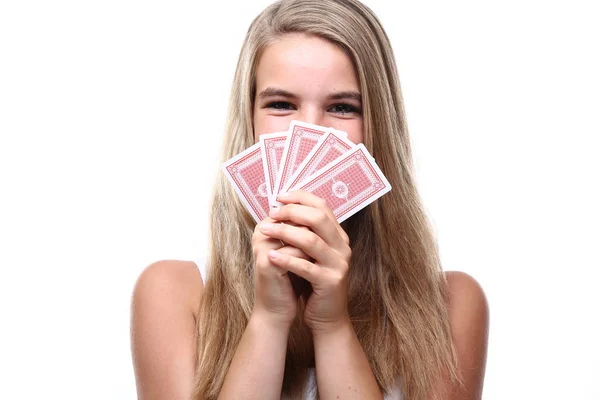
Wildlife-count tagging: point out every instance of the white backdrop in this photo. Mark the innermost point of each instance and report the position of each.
(111, 119)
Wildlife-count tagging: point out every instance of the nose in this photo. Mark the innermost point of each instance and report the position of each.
(312, 115)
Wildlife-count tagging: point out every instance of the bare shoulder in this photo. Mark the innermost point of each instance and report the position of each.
(164, 304)
(469, 322)
(468, 302)
(171, 280)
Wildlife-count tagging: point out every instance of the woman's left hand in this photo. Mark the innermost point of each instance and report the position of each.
(327, 243)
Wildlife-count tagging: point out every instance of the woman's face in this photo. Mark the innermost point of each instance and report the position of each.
(306, 78)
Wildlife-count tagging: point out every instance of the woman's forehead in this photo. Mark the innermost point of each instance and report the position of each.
(299, 63)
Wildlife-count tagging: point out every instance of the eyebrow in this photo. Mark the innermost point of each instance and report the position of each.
(273, 92)
(345, 95)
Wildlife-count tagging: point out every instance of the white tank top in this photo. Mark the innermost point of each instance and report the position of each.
(395, 394)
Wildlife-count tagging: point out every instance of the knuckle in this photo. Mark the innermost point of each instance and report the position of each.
(306, 266)
(255, 238)
(344, 266)
(322, 217)
(338, 279)
(313, 240)
(345, 237)
(346, 255)
(347, 260)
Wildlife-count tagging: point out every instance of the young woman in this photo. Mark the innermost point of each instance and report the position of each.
(368, 312)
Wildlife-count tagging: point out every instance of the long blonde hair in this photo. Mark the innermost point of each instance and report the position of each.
(397, 294)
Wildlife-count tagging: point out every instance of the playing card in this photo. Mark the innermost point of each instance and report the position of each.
(349, 183)
(331, 145)
(245, 171)
(302, 137)
(272, 145)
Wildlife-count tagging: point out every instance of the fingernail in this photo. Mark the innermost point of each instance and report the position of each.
(274, 211)
(283, 195)
(274, 254)
(266, 227)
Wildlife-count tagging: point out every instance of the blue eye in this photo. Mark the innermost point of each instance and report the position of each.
(344, 108)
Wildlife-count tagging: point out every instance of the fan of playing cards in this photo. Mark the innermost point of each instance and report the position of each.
(307, 157)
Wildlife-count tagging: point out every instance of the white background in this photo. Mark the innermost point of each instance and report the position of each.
(111, 120)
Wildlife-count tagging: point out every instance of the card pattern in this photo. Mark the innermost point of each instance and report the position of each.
(348, 184)
(327, 149)
(248, 177)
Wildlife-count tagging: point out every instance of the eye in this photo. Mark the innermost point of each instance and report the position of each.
(280, 105)
(344, 108)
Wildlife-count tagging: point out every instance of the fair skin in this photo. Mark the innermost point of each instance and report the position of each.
(308, 79)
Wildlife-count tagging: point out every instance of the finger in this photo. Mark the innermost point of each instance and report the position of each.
(267, 220)
(315, 218)
(305, 240)
(276, 244)
(298, 266)
(290, 223)
(294, 252)
(305, 198)
(311, 200)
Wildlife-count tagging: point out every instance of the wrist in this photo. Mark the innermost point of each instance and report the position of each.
(265, 320)
(332, 329)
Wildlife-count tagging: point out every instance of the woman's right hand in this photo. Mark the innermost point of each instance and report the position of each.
(275, 298)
